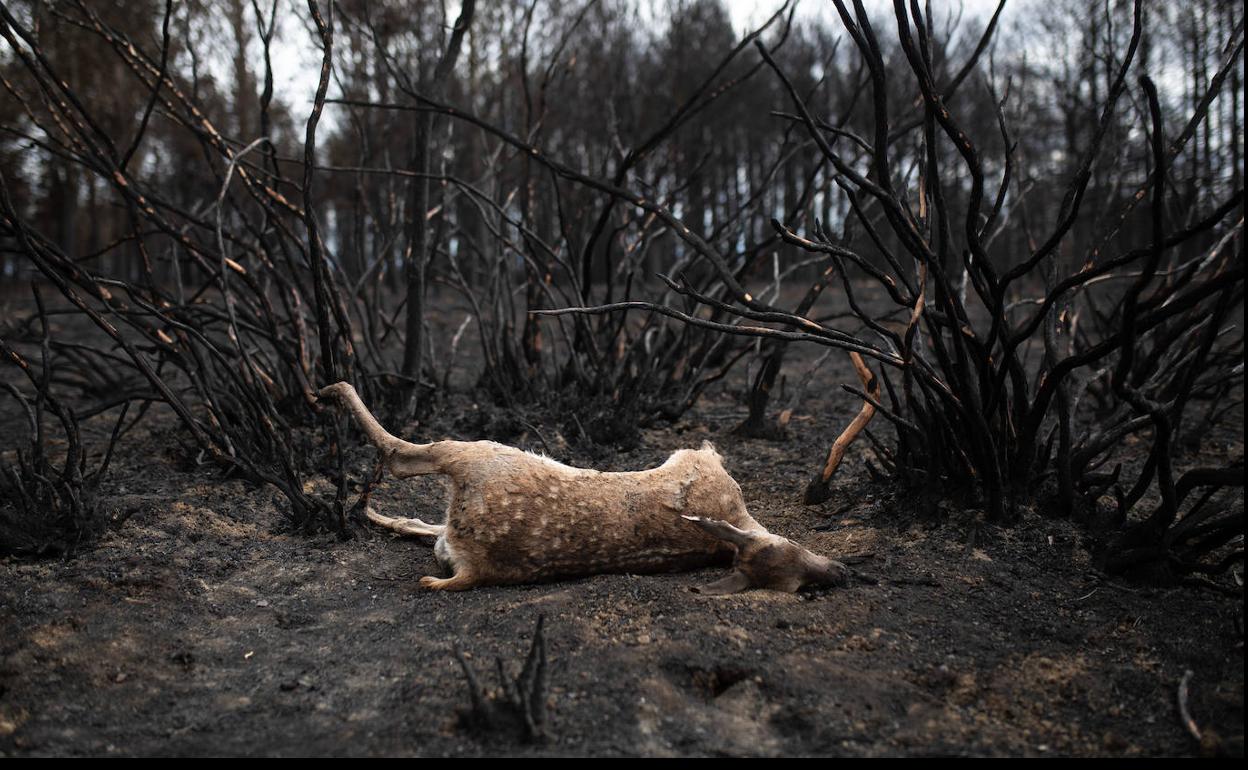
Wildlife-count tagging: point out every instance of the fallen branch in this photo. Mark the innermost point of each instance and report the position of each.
(1184, 715)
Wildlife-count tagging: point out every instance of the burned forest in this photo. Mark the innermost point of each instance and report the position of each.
(621, 378)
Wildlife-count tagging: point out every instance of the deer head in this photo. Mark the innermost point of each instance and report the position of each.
(765, 560)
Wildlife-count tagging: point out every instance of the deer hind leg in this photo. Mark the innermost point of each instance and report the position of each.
(460, 581)
(402, 458)
(457, 563)
(410, 527)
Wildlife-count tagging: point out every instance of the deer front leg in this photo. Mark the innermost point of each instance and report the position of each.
(735, 582)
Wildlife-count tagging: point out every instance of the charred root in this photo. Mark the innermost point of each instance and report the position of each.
(517, 710)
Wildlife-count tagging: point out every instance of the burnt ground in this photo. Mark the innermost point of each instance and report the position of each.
(199, 625)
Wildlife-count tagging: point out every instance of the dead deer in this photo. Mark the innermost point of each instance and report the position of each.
(517, 517)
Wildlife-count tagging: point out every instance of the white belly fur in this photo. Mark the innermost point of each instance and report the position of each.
(444, 554)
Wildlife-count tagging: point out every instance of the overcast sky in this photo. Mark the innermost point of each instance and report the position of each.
(296, 62)
(748, 13)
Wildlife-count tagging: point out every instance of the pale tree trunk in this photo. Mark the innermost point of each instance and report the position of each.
(417, 255)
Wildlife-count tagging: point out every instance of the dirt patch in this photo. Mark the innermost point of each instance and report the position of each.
(198, 627)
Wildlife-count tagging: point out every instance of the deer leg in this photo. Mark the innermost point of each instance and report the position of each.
(402, 458)
(460, 581)
(411, 527)
(736, 581)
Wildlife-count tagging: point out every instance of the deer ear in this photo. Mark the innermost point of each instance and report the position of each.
(736, 581)
(722, 530)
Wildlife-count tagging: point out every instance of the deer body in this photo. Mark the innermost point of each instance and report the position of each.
(516, 517)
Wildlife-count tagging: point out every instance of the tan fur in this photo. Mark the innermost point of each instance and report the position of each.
(516, 517)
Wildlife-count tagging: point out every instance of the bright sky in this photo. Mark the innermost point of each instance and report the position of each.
(749, 13)
(296, 62)
(298, 67)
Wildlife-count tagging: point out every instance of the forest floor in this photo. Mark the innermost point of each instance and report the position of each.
(200, 625)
